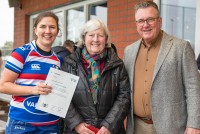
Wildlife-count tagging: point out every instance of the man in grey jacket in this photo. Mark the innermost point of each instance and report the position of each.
(163, 75)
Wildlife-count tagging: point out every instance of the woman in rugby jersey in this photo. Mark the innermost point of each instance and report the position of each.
(24, 76)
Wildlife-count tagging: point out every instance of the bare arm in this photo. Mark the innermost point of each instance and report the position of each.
(8, 86)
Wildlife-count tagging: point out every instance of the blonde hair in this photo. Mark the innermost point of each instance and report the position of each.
(93, 25)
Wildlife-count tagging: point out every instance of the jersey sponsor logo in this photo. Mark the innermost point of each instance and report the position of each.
(20, 127)
(26, 47)
(35, 67)
(22, 48)
(30, 104)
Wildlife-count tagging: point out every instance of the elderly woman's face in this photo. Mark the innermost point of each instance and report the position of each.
(95, 41)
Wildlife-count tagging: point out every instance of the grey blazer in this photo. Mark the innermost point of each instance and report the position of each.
(175, 79)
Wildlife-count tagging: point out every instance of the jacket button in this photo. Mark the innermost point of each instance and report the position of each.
(96, 119)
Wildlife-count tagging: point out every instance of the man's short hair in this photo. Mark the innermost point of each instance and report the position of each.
(68, 43)
(146, 4)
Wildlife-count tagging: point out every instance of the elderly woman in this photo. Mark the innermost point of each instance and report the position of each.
(102, 96)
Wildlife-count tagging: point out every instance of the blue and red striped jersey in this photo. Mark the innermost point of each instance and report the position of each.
(32, 67)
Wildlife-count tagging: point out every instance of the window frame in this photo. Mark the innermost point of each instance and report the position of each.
(197, 31)
(63, 9)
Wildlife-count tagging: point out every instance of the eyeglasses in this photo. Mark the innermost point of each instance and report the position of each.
(150, 21)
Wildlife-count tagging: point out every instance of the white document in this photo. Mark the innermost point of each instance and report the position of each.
(63, 86)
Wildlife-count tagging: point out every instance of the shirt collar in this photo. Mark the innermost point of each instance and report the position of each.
(154, 41)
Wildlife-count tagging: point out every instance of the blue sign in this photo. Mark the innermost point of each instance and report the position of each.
(30, 103)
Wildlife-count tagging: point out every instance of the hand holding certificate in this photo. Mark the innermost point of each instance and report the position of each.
(63, 86)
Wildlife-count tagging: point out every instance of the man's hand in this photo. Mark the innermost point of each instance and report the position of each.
(190, 130)
(82, 129)
(104, 130)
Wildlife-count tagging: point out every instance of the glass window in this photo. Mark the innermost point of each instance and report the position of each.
(179, 19)
(98, 12)
(73, 17)
(74, 23)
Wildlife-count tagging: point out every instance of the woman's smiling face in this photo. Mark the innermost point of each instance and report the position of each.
(46, 32)
(95, 41)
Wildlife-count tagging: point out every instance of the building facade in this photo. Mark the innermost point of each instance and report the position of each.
(118, 15)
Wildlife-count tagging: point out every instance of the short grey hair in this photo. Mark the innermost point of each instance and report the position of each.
(146, 4)
(93, 25)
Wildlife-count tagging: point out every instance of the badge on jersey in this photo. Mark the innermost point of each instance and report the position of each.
(55, 66)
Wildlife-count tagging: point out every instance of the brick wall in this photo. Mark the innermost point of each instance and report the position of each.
(121, 17)
(121, 23)
(21, 17)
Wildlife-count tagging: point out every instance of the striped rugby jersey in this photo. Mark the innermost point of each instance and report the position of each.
(32, 67)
